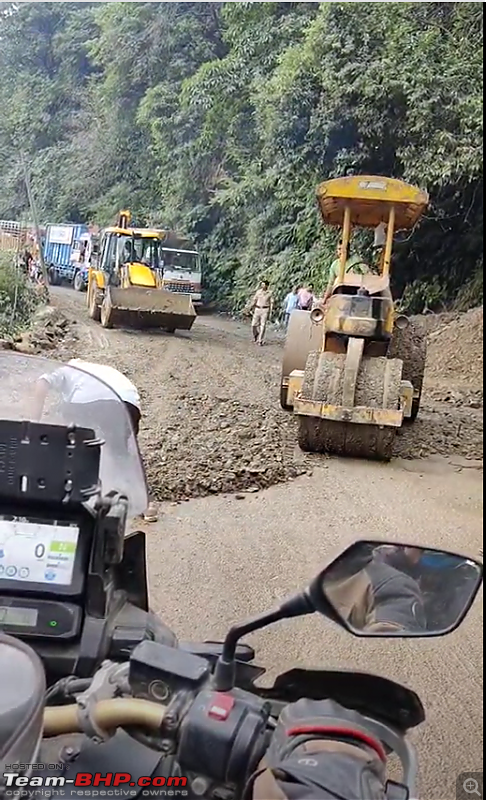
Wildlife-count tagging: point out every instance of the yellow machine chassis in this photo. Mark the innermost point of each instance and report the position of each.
(349, 339)
(139, 301)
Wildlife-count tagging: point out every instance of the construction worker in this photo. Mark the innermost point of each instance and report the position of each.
(262, 307)
(354, 264)
(289, 304)
(27, 260)
(306, 297)
(128, 253)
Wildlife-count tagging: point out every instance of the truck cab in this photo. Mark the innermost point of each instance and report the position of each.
(182, 272)
(60, 251)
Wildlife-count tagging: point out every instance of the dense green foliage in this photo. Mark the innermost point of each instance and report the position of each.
(18, 298)
(220, 119)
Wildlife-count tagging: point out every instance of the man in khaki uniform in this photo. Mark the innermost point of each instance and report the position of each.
(262, 306)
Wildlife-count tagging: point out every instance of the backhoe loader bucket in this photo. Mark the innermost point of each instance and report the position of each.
(138, 307)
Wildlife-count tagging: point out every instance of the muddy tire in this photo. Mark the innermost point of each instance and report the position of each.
(321, 436)
(304, 435)
(106, 314)
(95, 300)
(309, 435)
(323, 381)
(346, 439)
(410, 345)
(54, 277)
(284, 394)
(78, 282)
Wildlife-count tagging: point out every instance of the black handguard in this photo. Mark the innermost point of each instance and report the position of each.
(321, 751)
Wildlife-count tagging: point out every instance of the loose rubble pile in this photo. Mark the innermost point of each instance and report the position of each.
(49, 328)
(206, 434)
(213, 445)
(450, 421)
(455, 352)
(445, 432)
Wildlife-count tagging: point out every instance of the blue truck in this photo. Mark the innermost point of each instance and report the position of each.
(60, 246)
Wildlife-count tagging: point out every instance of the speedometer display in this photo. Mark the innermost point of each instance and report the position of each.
(37, 552)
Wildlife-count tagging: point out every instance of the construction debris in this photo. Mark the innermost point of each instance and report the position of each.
(49, 327)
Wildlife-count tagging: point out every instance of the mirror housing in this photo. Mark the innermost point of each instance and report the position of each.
(385, 589)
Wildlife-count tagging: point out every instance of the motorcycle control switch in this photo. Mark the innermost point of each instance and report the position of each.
(223, 736)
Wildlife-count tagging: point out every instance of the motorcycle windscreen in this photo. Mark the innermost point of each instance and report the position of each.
(40, 390)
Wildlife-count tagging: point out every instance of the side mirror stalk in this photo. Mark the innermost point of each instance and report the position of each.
(224, 672)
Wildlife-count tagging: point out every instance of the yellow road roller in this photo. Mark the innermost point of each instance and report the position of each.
(352, 367)
(125, 286)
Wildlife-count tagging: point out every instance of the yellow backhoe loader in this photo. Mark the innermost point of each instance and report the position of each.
(353, 368)
(125, 285)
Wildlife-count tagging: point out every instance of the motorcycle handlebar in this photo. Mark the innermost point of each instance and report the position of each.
(241, 755)
(107, 714)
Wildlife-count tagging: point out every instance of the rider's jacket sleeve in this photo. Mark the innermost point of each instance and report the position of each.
(397, 600)
(380, 599)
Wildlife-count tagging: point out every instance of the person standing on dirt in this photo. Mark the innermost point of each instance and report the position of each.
(73, 390)
(27, 260)
(262, 307)
(83, 251)
(306, 297)
(34, 271)
(290, 303)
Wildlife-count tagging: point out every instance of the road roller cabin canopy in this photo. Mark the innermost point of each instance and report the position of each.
(370, 198)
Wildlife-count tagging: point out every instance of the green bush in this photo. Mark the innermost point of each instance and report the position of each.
(18, 298)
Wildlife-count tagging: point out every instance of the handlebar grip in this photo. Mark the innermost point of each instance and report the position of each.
(107, 714)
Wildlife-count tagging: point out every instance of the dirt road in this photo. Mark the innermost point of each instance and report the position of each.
(213, 431)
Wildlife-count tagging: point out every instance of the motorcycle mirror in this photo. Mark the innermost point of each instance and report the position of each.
(384, 589)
